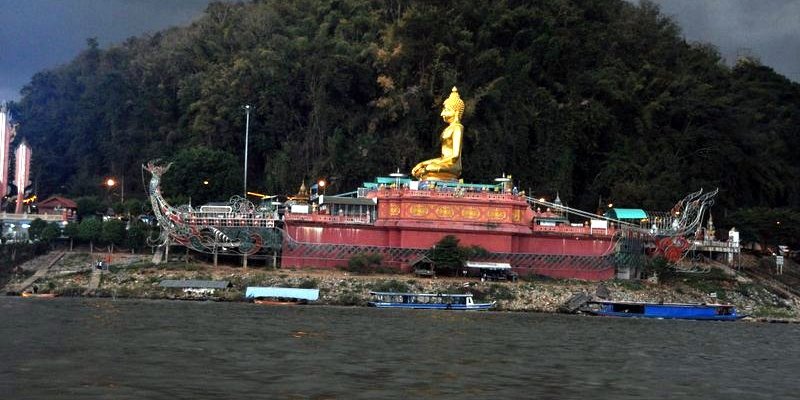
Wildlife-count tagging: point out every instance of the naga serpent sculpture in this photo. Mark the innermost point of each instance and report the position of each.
(240, 230)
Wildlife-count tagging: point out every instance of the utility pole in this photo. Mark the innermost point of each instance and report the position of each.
(246, 140)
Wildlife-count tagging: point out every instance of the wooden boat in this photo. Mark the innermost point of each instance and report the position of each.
(432, 301)
(711, 312)
(281, 296)
(38, 295)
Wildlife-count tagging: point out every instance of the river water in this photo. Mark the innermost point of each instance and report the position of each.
(73, 348)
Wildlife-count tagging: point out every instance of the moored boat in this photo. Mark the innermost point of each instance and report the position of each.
(711, 312)
(38, 295)
(281, 296)
(433, 301)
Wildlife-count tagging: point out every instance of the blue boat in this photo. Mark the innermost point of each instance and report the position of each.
(431, 301)
(711, 312)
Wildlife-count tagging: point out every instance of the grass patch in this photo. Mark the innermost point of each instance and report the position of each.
(70, 291)
(368, 263)
(634, 285)
(773, 312)
(715, 281)
(79, 259)
(536, 278)
(493, 292)
(391, 285)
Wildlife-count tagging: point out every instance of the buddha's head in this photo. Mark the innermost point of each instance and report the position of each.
(453, 107)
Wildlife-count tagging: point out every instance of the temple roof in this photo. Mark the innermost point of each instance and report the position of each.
(55, 201)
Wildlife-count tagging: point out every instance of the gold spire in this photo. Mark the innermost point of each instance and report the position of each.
(455, 103)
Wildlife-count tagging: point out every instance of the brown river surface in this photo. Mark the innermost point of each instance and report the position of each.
(73, 348)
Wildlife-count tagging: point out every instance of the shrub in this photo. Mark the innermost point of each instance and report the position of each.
(631, 284)
(661, 267)
(365, 263)
(500, 292)
(392, 285)
(308, 283)
(350, 299)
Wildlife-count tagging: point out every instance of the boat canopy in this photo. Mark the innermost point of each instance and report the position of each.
(626, 213)
(289, 293)
(487, 265)
(421, 294)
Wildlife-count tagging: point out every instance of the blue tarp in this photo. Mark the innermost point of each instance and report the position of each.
(289, 293)
(627, 213)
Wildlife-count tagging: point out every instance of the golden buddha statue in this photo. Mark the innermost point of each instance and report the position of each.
(448, 166)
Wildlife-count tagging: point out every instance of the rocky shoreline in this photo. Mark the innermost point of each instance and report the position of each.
(135, 277)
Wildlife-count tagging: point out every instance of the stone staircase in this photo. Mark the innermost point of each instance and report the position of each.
(94, 282)
(40, 265)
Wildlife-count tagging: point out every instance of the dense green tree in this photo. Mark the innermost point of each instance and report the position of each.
(90, 230)
(113, 232)
(35, 229)
(50, 232)
(137, 235)
(135, 207)
(89, 206)
(447, 256)
(590, 99)
(768, 227)
(72, 231)
(203, 175)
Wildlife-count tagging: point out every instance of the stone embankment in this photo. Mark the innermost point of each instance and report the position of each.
(135, 277)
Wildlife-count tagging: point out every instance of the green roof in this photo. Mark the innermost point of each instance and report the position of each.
(627, 213)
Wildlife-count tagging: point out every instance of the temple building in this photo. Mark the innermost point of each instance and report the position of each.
(7, 133)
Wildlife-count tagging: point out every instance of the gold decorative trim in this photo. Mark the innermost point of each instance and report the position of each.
(418, 210)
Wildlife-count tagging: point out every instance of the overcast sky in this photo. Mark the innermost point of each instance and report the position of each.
(41, 34)
(767, 29)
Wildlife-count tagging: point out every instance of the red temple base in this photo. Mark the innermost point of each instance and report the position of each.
(410, 222)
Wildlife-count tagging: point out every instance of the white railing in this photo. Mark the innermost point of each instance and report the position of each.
(335, 219)
(30, 217)
(444, 193)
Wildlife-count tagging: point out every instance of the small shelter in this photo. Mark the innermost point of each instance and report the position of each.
(57, 205)
(491, 270)
(423, 266)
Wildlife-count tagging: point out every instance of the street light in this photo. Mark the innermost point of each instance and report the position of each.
(110, 183)
(397, 175)
(246, 140)
(503, 181)
(322, 184)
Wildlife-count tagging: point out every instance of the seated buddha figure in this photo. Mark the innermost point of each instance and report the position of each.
(448, 166)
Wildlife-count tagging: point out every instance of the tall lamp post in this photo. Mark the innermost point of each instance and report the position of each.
(246, 141)
(397, 175)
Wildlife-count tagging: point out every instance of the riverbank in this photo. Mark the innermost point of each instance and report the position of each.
(133, 276)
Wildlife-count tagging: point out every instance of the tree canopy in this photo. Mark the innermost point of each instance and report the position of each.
(590, 99)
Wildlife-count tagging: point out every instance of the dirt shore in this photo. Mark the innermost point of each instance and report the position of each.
(134, 276)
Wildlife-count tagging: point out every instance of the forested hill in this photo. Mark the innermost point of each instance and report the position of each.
(590, 99)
